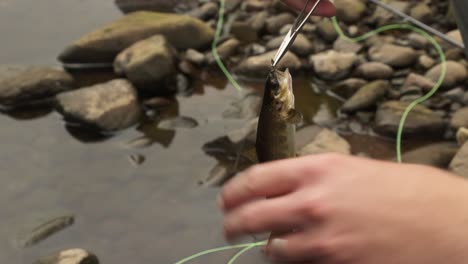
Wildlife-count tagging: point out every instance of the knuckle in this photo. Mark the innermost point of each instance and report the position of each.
(247, 219)
(313, 208)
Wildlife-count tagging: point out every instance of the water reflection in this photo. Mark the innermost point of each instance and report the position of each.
(85, 134)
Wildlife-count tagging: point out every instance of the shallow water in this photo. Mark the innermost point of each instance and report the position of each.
(125, 212)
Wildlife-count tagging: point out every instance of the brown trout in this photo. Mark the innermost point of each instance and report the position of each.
(278, 119)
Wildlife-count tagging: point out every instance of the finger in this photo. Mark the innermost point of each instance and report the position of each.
(304, 246)
(325, 7)
(281, 214)
(267, 180)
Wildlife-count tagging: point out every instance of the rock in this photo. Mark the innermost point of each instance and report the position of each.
(455, 95)
(195, 57)
(417, 41)
(348, 88)
(247, 107)
(301, 46)
(462, 136)
(178, 122)
(325, 142)
(437, 155)
(420, 121)
(258, 21)
(109, 106)
(332, 65)
(274, 23)
(225, 50)
(349, 11)
(367, 96)
(146, 62)
(455, 35)
(459, 165)
(426, 62)
(205, 12)
(104, 44)
(70, 256)
(244, 31)
(382, 16)
(327, 31)
(422, 12)
(419, 81)
(259, 66)
(374, 71)
(456, 73)
(345, 45)
(393, 55)
(460, 118)
(128, 6)
(248, 132)
(21, 85)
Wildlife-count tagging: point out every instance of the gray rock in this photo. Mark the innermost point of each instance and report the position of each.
(367, 96)
(393, 55)
(345, 45)
(204, 12)
(259, 66)
(128, 6)
(70, 256)
(462, 136)
(350, 11)
(195, 57)
(420, 121)
(455, 95)
(460, 118)
(178, 122)
(326, 141)
(417, 41)
(301, 46)
(437, 155)
(348, 88)
(21, 85)
(105, 43)
(327, 31)
(225, 50)
(456, 73)
(110, 106)
(274, 23)
(332, 65)
(422, 12)
(419, 81)
(374, 71)
(426, 62)
(146, 62)
(459, 165)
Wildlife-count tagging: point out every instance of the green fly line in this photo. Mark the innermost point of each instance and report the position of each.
(248, 246)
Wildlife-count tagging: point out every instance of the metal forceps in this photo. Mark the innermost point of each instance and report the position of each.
(294, 31)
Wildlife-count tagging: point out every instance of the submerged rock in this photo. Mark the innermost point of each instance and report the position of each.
(146, 62)
(332, 65)
(393, 55)
(325, 142)
(374, 71)
(459, 165)
(456, 73)
(20, 85)
(102, 45)
(421, 121)
(109, 106)
(438, 155)
(349, 87)
(178, 122)
(367, 96)
(259, 66)
(69, 256)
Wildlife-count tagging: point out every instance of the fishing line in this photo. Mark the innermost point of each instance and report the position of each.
(418, 101)
(246, 247)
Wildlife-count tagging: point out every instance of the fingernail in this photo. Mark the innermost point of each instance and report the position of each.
(277, 246)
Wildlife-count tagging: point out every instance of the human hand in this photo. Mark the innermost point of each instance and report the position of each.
(325, 7)
(350, 210)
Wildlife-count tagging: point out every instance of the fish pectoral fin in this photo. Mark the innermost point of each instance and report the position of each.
(294, 116)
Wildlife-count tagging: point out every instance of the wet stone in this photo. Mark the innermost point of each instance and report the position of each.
(437, 155)
(348, 88)
(327, 31)
(459, 166)
(456, 73)
(178, 122)
(109, 106)
(374, 71)
(274, 23)
(22, 85)
(69, 256)
(393, 55)
(327, 141)
(259, 66)
(332, 65)
(367, 96)
(344, 45)
(460, 118)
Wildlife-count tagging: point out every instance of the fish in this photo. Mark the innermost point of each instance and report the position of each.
(278, 119)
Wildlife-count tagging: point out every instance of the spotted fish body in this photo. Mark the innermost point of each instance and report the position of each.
(278, 119)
